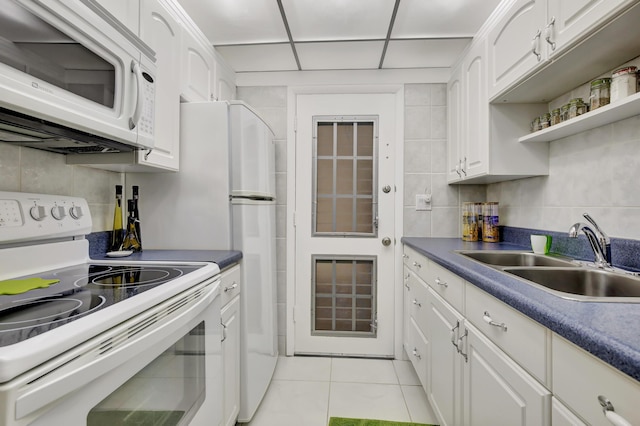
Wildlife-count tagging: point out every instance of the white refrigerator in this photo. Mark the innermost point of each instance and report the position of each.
(223, 198)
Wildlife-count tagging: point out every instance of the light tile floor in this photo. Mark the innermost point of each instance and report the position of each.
(308, 390)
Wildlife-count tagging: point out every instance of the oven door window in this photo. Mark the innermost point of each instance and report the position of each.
(166, 392)
(33, 46)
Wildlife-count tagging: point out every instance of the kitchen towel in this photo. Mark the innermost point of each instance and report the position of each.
(24, 285)
(342, 421)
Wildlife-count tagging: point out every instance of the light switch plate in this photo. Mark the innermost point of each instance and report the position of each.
(423, 202)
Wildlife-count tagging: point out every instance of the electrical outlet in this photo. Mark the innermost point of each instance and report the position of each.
(423, 202)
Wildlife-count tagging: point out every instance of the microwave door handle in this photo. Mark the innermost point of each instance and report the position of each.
(137, 72)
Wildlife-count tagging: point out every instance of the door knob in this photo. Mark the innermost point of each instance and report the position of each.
(386, 189)
(386, 241)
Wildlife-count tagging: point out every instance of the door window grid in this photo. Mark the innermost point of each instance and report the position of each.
(343, 300)
(345, 176)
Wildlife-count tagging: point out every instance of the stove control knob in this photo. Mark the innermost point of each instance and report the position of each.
(38, 212)
(58, 212)
(76, 212)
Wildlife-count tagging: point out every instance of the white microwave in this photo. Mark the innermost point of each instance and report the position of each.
(73, 79)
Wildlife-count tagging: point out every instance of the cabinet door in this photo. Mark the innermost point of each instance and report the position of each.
(225, 84)
(497, 390)
(562, 416)
(161, 31)
(575, 18)
(475, 140)
(125, 11)
(198, 72)
(511, 42)
(230, 317)
(444, 375)
(454, 125)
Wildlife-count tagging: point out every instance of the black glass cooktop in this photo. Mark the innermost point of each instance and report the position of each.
(82, 289)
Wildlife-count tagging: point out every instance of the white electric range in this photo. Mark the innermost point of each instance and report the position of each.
(106, 342)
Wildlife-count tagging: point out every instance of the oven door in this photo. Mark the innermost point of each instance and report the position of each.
(161, 367)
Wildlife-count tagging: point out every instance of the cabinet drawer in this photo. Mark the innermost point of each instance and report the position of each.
(562, 416)
(519, 336)
(447, 284)
(417, 294)
(579, 378)
(416, 262)
(230, 285)
(417, 350)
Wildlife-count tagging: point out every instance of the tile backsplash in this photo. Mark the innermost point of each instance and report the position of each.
(30, 170)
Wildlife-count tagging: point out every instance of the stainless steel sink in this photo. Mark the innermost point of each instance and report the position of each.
(583, 283)
(516, 258)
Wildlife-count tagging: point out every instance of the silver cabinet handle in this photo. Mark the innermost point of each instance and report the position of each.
(417, 265)
(535, 44)
(466, 333)
(548, 33)
(224, 331)
(415, 353)
(464, 166)
(405, 256)
(487, 318)
(418, 304)
(231, 287)
(453, 336)
(442, 283)
(613, 417)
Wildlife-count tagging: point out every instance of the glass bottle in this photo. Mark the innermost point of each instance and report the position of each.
(490, 223)
(599, 93)
(136, 212)
(131, 240)
(117, 235)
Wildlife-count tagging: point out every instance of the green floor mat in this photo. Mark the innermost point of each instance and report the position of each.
(341, 421)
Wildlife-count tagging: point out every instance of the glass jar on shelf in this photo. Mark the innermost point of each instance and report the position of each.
(545, 121)
(535, 124)
(576, 107)
(564, 112)
(623, 83)
(600, 93)
(555, 117)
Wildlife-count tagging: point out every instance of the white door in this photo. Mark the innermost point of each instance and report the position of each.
(344, 226)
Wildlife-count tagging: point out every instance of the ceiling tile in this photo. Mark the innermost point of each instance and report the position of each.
(314, 20)
(441, 18)
(237, 21)
(423, 53)
(259, 57)
(347, 55)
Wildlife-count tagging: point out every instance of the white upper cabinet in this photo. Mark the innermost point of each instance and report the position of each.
(198, 69)
(570, 19)
(475, 142)
(162, 32)
(568, 41)
(125, 11)
(455, 123)
(516, 43)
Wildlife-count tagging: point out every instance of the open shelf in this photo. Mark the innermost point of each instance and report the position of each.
(621, 109)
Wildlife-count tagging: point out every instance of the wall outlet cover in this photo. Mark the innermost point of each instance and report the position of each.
(423, 202)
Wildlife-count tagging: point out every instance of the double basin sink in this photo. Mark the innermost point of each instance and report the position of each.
(562, 276)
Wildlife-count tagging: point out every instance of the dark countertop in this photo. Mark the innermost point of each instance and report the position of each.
(610, 331)
(223, 258)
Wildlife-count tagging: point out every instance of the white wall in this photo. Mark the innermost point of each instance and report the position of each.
(30, 170)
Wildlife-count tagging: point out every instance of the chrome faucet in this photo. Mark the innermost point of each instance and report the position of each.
(599, 241)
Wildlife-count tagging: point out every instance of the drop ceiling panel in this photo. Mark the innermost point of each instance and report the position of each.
(259, 57)
(318, 20)
(423, 53)
(348, 55)
(441, 18)
(237, 21)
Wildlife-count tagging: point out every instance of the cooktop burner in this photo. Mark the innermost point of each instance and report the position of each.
(82, 289)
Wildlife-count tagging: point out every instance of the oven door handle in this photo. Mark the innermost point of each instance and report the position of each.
(126, 341)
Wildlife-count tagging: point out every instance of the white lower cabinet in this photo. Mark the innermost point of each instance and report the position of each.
(481, 362)
(444, 386)
(579, 379)
(497, 390)
(230, 319)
